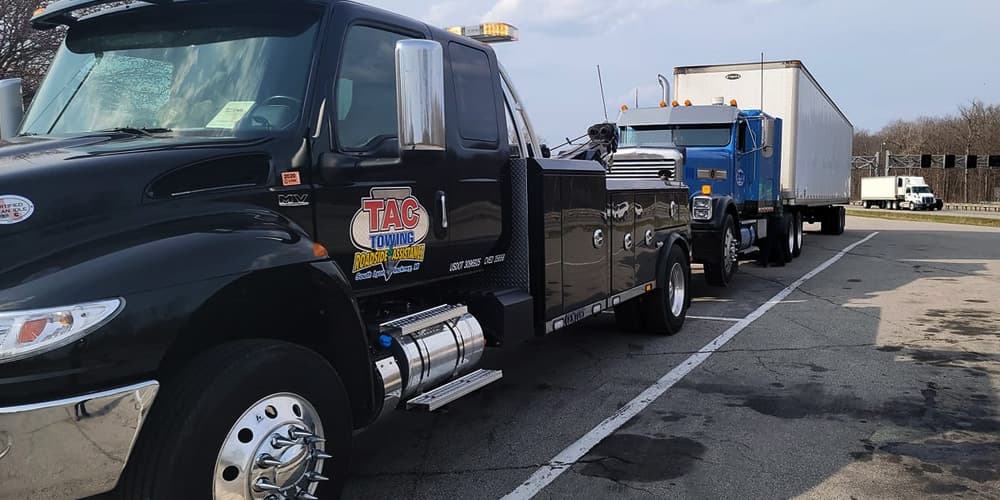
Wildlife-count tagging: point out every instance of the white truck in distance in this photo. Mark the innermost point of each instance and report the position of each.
(896, 192)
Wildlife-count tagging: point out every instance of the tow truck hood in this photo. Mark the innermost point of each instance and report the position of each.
(65, 199)
(48, 183)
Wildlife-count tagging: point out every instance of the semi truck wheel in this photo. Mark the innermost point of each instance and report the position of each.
(787, 238)
(797, 226)
(246, 420)
(664, 310)
(722, 273)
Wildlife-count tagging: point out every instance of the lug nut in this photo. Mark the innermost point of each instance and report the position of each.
(280, 442)
(314, 439)
(321, 455)
(305, 495)
(316, 477)
(299, 433)
(265, 484)
(266, 461)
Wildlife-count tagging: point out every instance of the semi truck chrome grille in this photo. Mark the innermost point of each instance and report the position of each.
(636, 169)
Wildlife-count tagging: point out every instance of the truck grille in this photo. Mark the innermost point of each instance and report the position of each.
(635, 169)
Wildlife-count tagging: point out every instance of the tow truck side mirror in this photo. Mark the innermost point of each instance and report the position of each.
(11, 107)
(420, 96)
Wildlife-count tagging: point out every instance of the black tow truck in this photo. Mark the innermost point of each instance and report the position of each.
(233, 232)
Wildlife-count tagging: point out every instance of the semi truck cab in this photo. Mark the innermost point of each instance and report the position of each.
(730, 160)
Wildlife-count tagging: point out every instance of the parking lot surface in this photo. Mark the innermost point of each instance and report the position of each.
(876, 377)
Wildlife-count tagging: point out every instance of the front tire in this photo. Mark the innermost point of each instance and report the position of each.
(247, 418)
(665, 309)
(722, 273)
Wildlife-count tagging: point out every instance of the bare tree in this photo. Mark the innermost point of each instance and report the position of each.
(974, 130)
(25, 52)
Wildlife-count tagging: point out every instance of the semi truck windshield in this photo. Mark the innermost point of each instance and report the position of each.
(675, 135)
(184, 70)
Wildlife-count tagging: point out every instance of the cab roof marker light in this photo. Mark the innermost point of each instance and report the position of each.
(61, 12)
(487, 32)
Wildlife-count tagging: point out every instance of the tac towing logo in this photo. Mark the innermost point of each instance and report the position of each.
(389, 231)
(14, 209)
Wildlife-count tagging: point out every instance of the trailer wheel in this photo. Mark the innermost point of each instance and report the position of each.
(246, 420)
(722, 273)
(787, 239)
(797, 227)
(664, 309)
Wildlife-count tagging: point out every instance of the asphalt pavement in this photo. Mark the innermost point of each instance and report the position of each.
(875, 377)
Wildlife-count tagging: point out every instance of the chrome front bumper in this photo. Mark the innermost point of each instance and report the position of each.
(73, 447)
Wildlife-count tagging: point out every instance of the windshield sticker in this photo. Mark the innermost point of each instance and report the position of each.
(231, 114)
(14, 209)
(389, 231)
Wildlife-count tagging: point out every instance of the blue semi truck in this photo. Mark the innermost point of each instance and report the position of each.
(755, 175)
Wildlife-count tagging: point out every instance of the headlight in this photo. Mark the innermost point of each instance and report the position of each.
(27, 333)
(701, 208)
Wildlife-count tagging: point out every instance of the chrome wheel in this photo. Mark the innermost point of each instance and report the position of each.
(676, 290)
(798, 232)
(729, 251)
(791, 239)
(275, 451)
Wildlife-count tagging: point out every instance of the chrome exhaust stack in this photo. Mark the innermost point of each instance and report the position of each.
(429, 349)
(664, 87)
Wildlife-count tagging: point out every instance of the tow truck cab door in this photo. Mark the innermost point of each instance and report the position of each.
(478, 153)
(393, 220)
(376, 210)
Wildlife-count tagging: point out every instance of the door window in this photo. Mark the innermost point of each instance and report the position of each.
(366, 89)
(512, 135)
(474, 91)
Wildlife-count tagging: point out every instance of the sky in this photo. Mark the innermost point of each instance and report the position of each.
(880, 60)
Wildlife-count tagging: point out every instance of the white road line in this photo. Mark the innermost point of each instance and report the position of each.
(568, 457)
(716, 318)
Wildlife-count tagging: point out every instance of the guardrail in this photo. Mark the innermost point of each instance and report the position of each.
(973, 207)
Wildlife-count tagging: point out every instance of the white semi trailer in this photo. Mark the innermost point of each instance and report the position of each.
(896, 192)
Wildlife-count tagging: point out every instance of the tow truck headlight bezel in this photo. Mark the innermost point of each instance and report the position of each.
(701, 208)
(24, 334)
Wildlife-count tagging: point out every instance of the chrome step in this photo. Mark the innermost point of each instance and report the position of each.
(413, 323)
(750, 250)
(454, 390)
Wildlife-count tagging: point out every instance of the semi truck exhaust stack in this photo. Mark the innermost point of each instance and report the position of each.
(665, 87)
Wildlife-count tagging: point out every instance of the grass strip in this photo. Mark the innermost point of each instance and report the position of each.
(925, 217)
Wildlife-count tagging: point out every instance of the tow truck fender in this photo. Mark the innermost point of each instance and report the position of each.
(678, 238)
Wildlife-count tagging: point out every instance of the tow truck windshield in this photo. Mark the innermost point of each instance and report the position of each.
(653, 136)
(181, 70)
